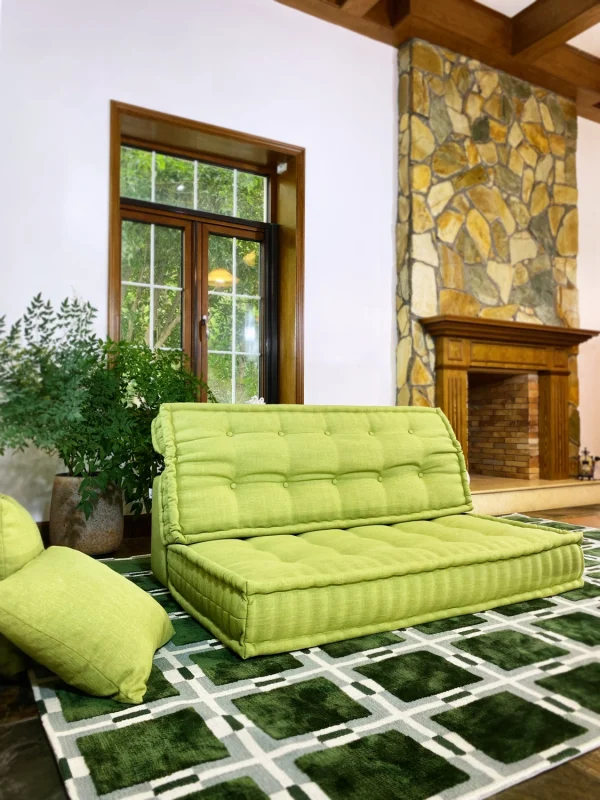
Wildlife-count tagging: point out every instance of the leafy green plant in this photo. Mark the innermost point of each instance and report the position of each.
(68, 392)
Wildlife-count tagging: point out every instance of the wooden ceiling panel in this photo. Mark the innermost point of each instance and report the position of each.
(530, 45)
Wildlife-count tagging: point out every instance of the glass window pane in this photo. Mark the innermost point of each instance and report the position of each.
(248, 267)
(251, 191)
(136, 173)
(215, 189)
(135, 314)
(168, 256)
(135, 252)
(220, 322)
(174, 181)
(247, 325)
(167, 318)
(174, 185)
(220, 263)
(246, 378)
(219, 377)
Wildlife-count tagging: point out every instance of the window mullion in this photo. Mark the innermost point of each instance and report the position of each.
(235, 188)
(234, 312)
(151, 325)
(195, 186)
(153, 178)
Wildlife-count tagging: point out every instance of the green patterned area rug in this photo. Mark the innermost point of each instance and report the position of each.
(458, 708)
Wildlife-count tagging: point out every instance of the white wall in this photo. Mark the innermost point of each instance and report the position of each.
(588, 279)
(251, 65)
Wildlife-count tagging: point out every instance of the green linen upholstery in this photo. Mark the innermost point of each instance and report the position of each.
(20, 543)
(20, 539)
(232, 471)
(268, 594)
(285, 527)
(89, 625)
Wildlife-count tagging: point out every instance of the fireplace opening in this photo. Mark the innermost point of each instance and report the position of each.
(503, 425)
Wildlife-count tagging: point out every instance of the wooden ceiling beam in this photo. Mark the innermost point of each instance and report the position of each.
(588, 105)
(335, 14)
(574, 66)
(542, 27)
(479, 32)
(465, 19)
(358, 8)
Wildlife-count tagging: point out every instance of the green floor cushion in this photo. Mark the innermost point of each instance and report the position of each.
(20, 543)
(89, 625)
(286, 526)
(274, 593)
(234, 471)
(20, 539)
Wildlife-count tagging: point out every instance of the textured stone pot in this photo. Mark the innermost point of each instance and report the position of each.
(101, 533)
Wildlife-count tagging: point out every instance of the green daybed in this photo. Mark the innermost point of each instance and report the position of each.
(284, 527)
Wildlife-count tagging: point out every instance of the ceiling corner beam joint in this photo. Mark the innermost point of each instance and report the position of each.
(547, 24)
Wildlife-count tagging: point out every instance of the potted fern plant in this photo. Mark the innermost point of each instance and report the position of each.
(90, 401)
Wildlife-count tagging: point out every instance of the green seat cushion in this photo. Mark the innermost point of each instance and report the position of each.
(235, 471)
(89, 625)
(20, 539)
(281, 592)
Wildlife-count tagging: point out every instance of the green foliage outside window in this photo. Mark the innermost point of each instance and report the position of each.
(68, 392)
(173, 184)
(152, 255)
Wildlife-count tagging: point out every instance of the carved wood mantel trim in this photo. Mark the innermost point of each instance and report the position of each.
(471, 344)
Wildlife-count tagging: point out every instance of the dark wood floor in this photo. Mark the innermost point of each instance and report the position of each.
(28, 770)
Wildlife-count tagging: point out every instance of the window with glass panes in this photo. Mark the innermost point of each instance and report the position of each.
(195, 268)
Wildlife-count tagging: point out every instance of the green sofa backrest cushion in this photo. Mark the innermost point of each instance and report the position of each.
(252, 470)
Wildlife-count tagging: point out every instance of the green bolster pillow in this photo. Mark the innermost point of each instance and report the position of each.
(20, 540)
(20, 543)
(91, 626)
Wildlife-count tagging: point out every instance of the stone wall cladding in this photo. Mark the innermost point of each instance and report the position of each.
(487, 208)
(504, 427)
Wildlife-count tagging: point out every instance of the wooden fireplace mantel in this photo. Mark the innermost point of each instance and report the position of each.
(471, 344)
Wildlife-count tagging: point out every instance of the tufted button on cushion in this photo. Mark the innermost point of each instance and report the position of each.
(285, 484)
(420, 474)
(281, 433)
(334, 481)
(371, 433)
(327, 433)
(380, 479)
(229, 433)
(410, 430)
(233, 485)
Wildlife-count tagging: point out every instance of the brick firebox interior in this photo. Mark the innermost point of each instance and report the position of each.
(503, 426)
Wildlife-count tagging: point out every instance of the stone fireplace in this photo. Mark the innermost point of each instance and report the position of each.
(465, 348)
(487, 229)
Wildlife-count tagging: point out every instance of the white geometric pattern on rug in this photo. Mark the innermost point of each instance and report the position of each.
(433, 711)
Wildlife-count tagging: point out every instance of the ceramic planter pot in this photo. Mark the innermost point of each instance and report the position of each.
(101, 533)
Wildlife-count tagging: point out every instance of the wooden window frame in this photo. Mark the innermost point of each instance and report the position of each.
(285, 166)
(127, 213)
(205, 230)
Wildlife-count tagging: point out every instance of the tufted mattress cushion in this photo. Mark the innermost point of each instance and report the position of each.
(235, 471)
(277, 593)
